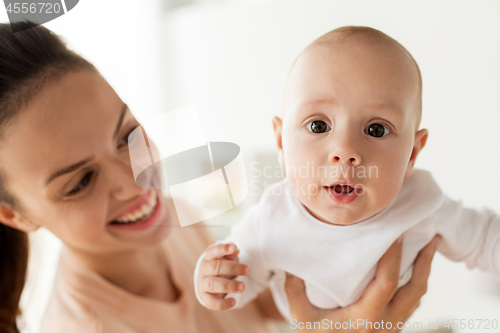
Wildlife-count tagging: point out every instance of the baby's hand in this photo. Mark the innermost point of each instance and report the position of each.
(216, 273)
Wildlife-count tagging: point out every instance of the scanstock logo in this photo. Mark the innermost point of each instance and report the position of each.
(37, 12)
(204, 179)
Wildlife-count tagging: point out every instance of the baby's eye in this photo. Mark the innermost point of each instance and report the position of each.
(377, 130)
(318, 126)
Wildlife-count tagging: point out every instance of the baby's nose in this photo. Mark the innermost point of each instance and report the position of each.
(352, 160)
(345, 154)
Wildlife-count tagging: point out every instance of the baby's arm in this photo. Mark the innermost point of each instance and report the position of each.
(212, 284)
(469, 235)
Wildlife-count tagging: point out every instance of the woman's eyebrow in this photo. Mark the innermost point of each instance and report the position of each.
(120, 121)
(68, 169)
(78, 165)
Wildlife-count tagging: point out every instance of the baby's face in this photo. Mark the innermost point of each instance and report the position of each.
(348, 134)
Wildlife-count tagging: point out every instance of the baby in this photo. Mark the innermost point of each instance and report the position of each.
(351, 116)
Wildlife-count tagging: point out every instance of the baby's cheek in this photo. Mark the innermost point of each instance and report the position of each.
(386, 187)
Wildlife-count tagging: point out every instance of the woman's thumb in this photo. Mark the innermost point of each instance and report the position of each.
(297, 299)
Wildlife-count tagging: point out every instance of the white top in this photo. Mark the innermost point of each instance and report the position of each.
(279, 235)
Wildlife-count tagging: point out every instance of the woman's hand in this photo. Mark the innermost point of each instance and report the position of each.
(381, 300)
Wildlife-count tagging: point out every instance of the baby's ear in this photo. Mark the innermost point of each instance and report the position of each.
(14, 219)
(277, 125)
(418, 144)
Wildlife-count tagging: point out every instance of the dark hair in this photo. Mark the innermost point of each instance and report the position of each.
(29, 59)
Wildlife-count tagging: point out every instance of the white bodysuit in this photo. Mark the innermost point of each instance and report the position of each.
(279, 235)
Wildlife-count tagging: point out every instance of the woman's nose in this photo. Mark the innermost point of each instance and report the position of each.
(124, 185)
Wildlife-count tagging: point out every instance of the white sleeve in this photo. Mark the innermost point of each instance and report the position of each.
(469, 235)
(245, 235)
(195, 278)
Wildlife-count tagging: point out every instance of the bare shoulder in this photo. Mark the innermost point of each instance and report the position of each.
(62, 317)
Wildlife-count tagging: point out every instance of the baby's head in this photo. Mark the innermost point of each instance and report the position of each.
(349, 133)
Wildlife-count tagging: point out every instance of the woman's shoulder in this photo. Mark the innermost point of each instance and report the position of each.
(63, 314)
(60, 318)
(67, 310)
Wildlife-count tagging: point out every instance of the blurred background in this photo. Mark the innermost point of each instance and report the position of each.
(231, 58)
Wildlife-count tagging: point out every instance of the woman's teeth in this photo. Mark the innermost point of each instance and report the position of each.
(142, 212)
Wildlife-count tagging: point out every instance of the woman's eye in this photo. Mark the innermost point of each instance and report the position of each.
(318, 126)
(124, 141)
(377, 130)
(82, 184)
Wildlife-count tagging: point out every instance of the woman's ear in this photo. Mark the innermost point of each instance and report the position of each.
(277, 125)
(15, 220)
(418, 144)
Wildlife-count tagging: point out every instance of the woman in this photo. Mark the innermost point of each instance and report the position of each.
(126, 265)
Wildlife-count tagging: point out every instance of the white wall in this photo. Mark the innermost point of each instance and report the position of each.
(121, 38)
(232, 60)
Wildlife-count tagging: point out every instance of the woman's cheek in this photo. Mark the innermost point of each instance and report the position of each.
(84, 222)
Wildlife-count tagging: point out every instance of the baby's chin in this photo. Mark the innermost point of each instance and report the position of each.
(340, 215)
(357, 211)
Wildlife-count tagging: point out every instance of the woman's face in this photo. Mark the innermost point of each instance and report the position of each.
(66, 160)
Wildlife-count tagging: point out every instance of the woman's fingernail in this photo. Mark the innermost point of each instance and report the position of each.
(247, 270)
(240, 286)
(400, 239)
(230, 248)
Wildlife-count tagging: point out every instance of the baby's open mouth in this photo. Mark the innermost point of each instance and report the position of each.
(342, 193)
(342, 189)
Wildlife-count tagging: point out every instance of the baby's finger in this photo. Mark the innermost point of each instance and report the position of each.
(224, 268)
(218, 251)
(214, 303)
(219, 285)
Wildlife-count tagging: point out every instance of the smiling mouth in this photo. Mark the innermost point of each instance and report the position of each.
(140, 214)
